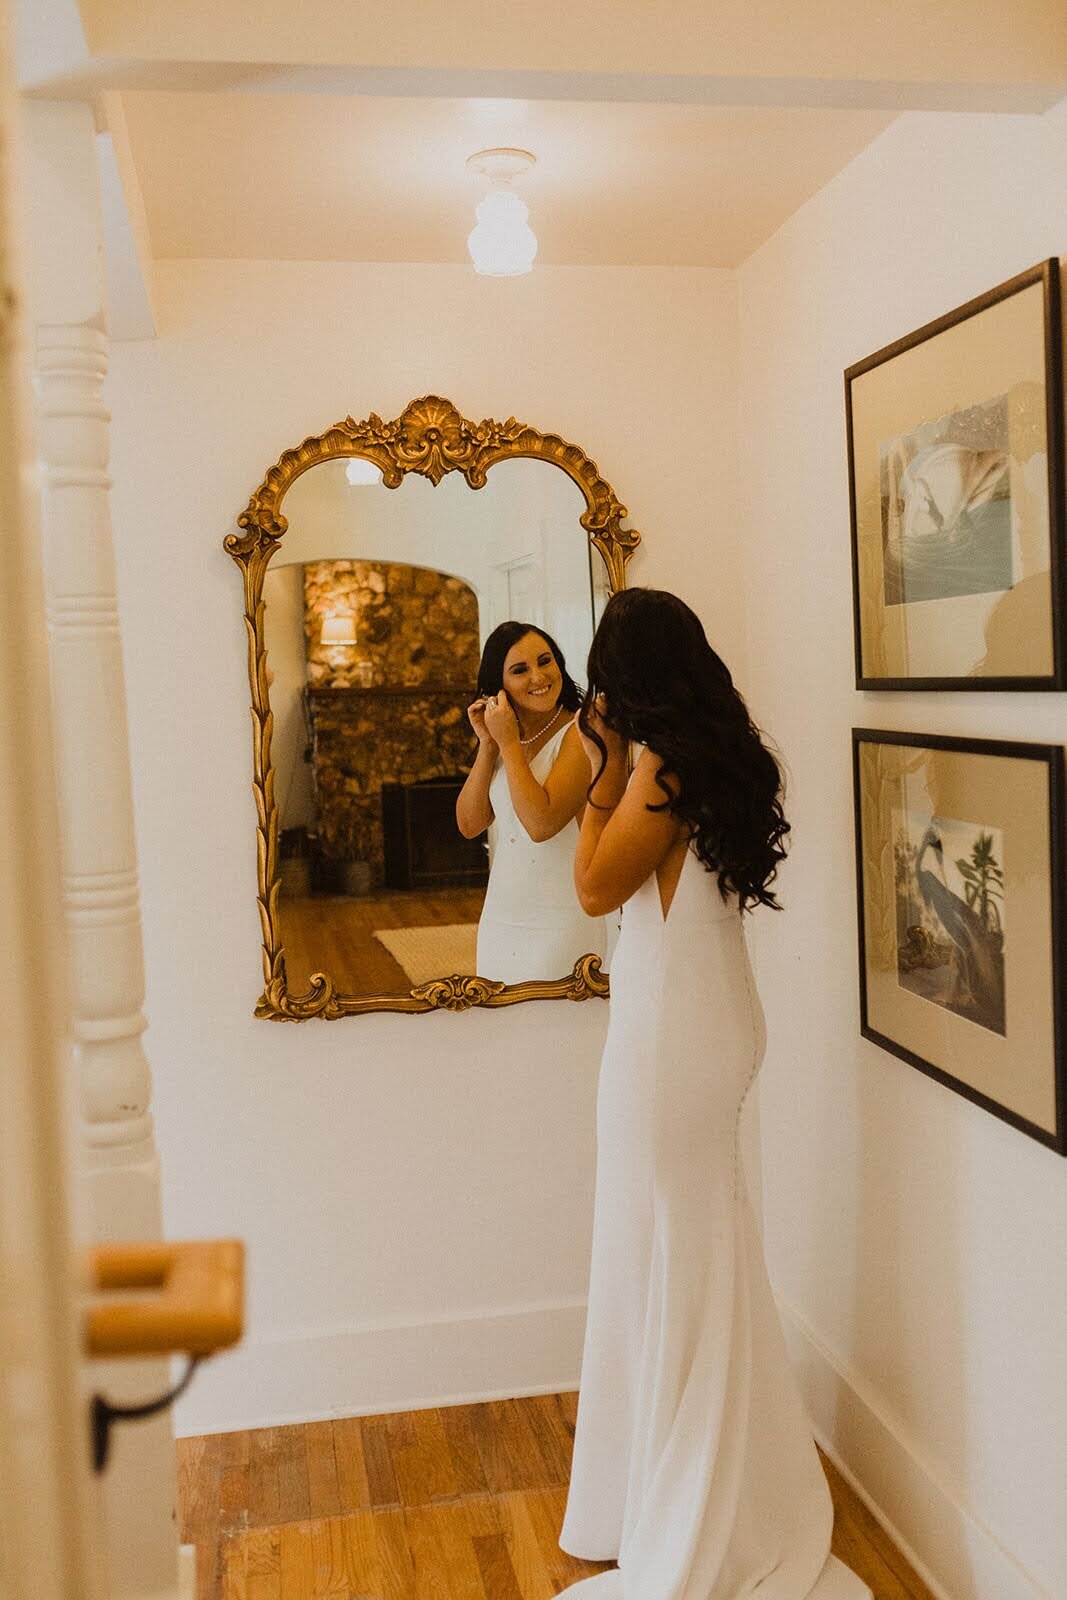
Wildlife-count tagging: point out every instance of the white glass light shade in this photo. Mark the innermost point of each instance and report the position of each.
(502, 244)
(339, 628)
(361, 473)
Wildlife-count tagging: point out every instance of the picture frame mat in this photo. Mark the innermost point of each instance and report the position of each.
(1014, 787)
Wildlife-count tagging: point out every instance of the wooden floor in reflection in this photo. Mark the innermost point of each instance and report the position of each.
(335, 934)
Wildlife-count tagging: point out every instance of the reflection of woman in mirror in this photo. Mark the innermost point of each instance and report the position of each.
(529, 782)
(694, 1464)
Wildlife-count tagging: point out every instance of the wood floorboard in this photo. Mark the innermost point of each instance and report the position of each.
(463, 1449)
(198, 1485)
(554, 1441)
(233, 1569)
(323, 1495)
(452, 1503)
(199, 1491)
(353, 1488)
(294, 1493)
(381, 1477)
(363, 1554)
(494, 1565)
(531, 1574)
(264, 1496)
(296, 1563)
(263, 1575)
(394, 1556)
(423, 1464)
(443, 1559)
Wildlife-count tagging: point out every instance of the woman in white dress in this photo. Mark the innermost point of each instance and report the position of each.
(528, 787)
(694, 1464)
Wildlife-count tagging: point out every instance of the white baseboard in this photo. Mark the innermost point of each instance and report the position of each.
(405, 1366)
(962, 1558)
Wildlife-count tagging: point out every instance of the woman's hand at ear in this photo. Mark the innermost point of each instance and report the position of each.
(501, 721)
(476, 718)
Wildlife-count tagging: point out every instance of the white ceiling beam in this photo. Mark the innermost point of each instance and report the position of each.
(925, 55)
(834, 94)
(995, 41)
(89, 80)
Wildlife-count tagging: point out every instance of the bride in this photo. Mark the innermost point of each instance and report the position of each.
(528, 787)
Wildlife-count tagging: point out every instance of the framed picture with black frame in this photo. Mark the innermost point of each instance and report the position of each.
(956, 493)
(960, 873)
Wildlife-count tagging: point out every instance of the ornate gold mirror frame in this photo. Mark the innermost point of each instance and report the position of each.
(431, 438)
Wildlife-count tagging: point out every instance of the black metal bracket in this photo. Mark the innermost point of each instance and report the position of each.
(103, 1415)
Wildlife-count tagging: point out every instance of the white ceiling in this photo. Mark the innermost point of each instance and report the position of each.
(325, 177)
(676, 135)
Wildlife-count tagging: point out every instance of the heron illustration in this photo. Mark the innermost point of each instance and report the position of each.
(979, 953)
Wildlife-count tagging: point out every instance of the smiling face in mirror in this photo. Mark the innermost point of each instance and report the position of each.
(532, 679)
(384, 612)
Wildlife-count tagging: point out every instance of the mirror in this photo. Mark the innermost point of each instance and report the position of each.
(369, 602)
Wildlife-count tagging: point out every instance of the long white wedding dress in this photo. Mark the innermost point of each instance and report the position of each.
(531, 924)
(694, 1464)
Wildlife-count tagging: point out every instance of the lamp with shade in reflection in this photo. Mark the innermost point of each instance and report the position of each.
(338, 631)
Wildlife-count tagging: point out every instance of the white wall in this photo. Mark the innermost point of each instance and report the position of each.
(920, 1243)
(415, 1191)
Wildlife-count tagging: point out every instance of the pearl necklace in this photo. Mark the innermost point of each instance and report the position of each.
(535, 736)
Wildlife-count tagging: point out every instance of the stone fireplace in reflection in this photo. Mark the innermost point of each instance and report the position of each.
(389, 740)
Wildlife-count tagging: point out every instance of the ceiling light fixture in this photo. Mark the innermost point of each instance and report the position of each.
(502, 243)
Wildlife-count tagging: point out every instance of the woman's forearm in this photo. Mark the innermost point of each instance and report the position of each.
(608, 790)
(532, 805)
(474, 812)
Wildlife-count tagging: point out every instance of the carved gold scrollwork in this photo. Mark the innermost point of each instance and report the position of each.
(430, 438)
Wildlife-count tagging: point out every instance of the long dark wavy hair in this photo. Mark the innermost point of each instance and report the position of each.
(494, 654)
(664, 686)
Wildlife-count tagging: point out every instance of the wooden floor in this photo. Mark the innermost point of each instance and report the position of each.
(334, 934)
(460, 1503)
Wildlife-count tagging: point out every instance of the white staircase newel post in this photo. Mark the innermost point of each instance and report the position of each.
(100, 887)
(97, 847)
